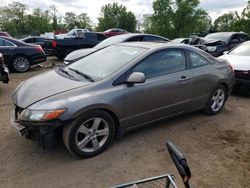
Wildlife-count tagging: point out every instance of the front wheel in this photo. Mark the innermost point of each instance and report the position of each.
(90, 134)
(21, 64)
(216, 100)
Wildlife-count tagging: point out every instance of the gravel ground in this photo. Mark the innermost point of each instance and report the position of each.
(217, 149)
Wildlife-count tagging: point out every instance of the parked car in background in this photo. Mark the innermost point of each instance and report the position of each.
(114, 31)
(131, 37)
(4, 72)
(5, 34)
(19, 56)
(217, 43)
(71, 33)
(239, 58)
(117, 89)
(35, 40)
(180, 41)
(62, 47)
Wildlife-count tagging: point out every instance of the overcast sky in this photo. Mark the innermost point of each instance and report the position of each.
(138, 7)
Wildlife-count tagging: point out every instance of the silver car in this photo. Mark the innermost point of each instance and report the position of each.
(117, 89)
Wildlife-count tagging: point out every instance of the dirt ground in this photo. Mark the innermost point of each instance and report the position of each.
(217, 149)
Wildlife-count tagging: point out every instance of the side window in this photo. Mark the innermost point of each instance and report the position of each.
(161, 63)
(92, 37)
(133, 39)
(7, 43)
(196, 60)
(1, 42)
(243, 38)
(152, 38)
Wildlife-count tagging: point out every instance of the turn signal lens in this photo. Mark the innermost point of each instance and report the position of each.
(53, 114)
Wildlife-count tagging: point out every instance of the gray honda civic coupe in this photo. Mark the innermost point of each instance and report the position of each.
(117, 89)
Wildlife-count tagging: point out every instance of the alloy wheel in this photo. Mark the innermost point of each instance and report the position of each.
(21, 64)
(92, 134)
(218, 100)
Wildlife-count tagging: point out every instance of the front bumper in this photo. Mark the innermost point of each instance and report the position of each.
(24, 127)
(242, 82)
(242, 77)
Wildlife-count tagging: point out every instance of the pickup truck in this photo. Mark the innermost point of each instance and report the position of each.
(62, 47)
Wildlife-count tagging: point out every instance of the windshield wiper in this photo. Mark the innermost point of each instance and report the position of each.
(82, 74)
(64, 71)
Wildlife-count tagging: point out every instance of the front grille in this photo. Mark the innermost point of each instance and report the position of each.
(18, 111)
(243, 75)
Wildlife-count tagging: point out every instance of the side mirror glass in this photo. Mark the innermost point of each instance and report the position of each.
(180, 163)
(136, 77)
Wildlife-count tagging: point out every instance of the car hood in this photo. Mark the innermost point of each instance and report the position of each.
(212, 42)
(43, 86)
(78, 54)
(238, 62)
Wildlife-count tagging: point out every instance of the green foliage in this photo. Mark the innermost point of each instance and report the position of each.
(80, 21)
(15, 19)
(116, 16)
(232, 21)
(177, 18)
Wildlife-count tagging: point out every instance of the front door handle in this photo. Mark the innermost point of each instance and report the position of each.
(184, 78)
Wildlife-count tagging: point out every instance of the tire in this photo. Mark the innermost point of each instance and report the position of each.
(90, 134)
(20, 64)
(216, 100)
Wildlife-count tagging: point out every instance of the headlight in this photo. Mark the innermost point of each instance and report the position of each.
(40, 115)
(211, 48)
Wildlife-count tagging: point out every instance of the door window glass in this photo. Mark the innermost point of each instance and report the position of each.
(161, 63)
(1, 42)
(7, 43)
(197, 60)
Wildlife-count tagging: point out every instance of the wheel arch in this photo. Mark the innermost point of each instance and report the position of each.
(226, 87)
(106, 109)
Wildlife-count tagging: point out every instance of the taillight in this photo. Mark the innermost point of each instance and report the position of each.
(39, 49)
(54, 44)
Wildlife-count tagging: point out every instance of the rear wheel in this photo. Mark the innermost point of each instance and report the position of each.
(21, 64)
(216, 100)
(90, 134)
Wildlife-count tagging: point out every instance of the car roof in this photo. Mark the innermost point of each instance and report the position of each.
(155, 45)
(15, 41)
(229, 33)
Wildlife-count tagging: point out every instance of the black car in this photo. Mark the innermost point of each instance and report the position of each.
(62, 47)
(4, 72)
(19, 56)
(217, 43)
(35, 40)
(131, 37)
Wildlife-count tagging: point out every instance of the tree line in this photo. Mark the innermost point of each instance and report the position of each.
(170, 18)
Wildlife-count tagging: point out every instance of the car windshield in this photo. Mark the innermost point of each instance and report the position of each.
(111, 40)
(242, 50)
(219, 36)
(105, 62)
(71, 32)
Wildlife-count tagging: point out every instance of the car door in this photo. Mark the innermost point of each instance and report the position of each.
(203, 79)
(166, 92)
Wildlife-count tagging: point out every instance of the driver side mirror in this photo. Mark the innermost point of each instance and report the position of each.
(180, 163)
(136, 78)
